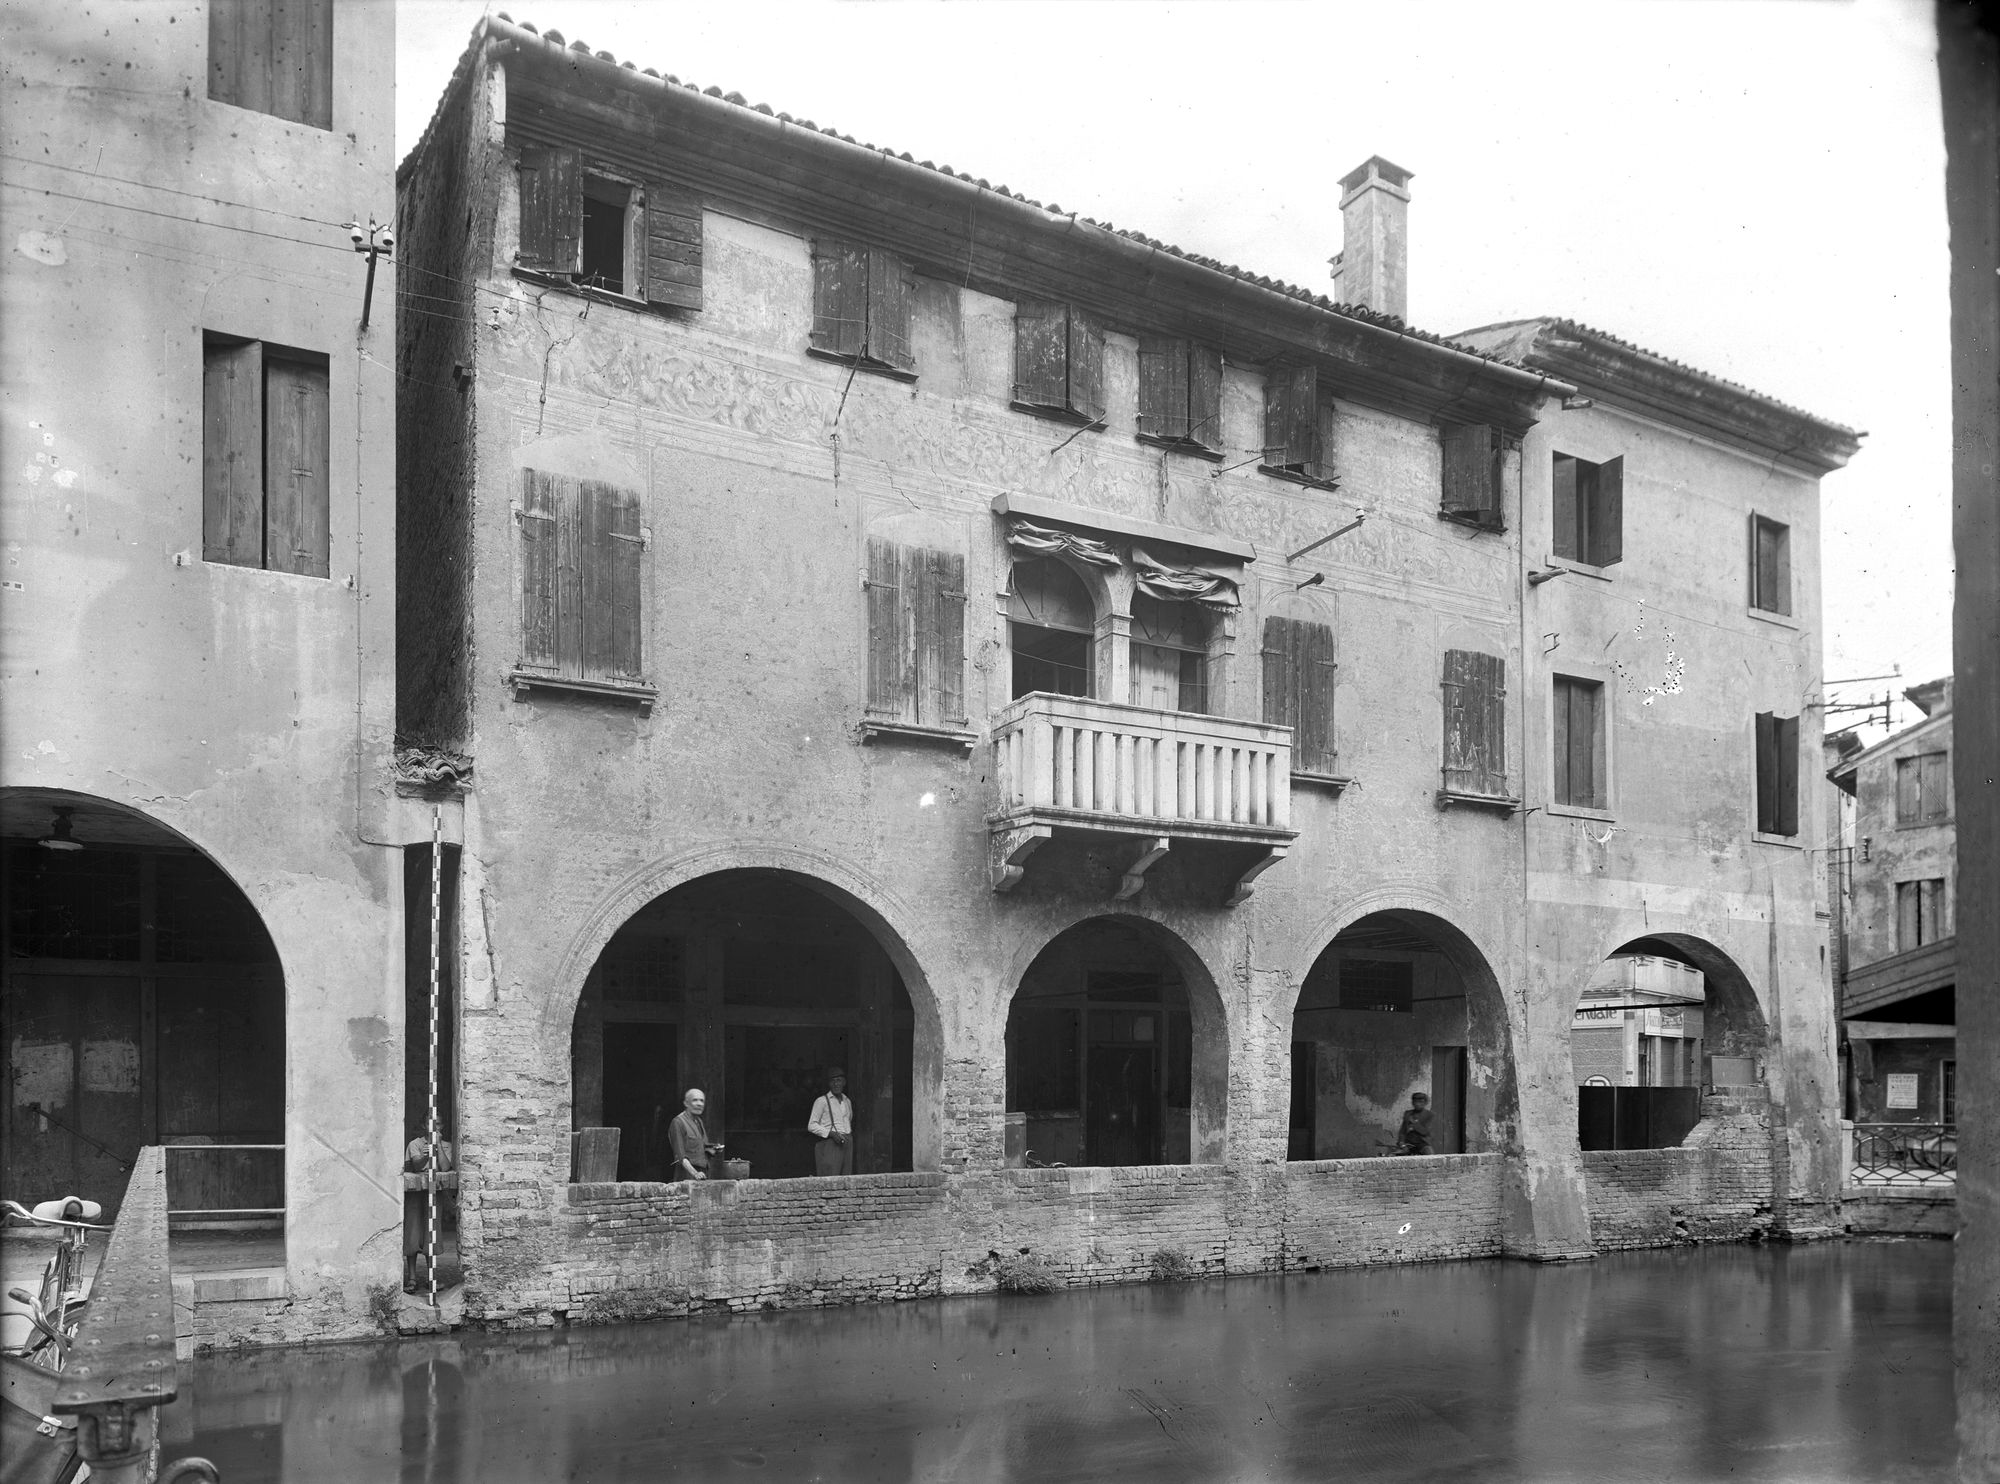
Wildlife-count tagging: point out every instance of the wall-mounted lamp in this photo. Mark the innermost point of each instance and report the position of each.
(1536, 579)
(377, 241)
(1313, 581)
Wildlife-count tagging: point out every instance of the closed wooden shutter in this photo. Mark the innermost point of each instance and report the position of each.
(1205, 397)
(1936, 785)
(887, 646)
(551, 210)
(1909, 790)
(1607, 530)
(1931, 906)
(1577, 702)
(541, 496)
(1472, 471)
(1086, 366)
(1475, 723)
(1909, 921)
(1291, 420)
(1563, 508)
(239, 49)
(302, 61)
(295, 467)
(1162, 387)
(232, 455)
(1041, 354)
(889, 292)
(673, 246)
(609, 576)
(840, 299)
(1299, 674)
(938, 614)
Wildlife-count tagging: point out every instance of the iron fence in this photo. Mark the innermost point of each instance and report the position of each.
(1904, 1154)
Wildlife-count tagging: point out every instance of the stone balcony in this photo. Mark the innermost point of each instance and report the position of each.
(1072, 767)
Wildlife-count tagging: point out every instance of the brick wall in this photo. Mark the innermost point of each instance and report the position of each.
(1422, 1208)
(1716, 1187)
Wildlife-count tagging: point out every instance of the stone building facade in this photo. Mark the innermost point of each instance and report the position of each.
(1118, 708)
(203, 870)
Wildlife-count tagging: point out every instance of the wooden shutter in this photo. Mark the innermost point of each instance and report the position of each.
(301, 61)
(1041, 354)
(1935, 784)
(673, 246)
(1575, 743)
(1163, 402)
(840, 299)
(1205, 396)
(232, 454)
(1299, 673)
(1291, 420)
(610, 571)
(541, 495)
(1909, 923)
(551, 210)
(239, 42)
(889, 289)
(1785, 736)
(1563, 508)
(1472, 471)
(1770, 566)
(295, 467)
(1767, 773)
(887, 649)
(1086, 367)
(938, 617)
(1781, 567)
(1909, 790)
(1607, 527)
(1930, 908)
(1475, 723)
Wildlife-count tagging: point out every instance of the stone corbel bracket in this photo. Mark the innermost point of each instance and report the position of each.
(1241, 892)
(1150, 851)
(1011, 849)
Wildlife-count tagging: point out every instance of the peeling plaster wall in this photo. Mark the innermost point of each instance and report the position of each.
(248, 710)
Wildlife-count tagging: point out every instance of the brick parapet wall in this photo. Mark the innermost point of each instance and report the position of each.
(1418, 1208)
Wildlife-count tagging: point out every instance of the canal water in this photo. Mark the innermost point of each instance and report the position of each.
(1819, 1363)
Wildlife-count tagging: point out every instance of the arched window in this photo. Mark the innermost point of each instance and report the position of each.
(1169, 655)
(1050, 623)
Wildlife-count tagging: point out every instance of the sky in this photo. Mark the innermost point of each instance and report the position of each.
(1756, 189)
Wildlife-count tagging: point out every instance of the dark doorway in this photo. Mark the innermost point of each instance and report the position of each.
(1123, 1101)
(641, 1070)
(1305, 1101)
(1448, 1100)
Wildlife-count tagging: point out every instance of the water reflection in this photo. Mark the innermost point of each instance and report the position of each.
(1821, 1363)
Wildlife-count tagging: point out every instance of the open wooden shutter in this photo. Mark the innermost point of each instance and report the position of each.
(232, 454)
(551, 210)
(840, 299)
(1563, 508)
(1781, 566)
(1472, 471)
(1086, 366)
(1767, 773)
(1041, 354)
(1291, 420)
(1607, 530)
(888, 668)
(1205, 396)
(1785, 736)
(295, 467)
(1162, 387)
(541, 494)
(611, 568)
(889, 289)
(673, 246)
(939, 617)
(1280, 694)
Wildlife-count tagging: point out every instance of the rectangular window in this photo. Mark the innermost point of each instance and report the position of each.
(264, 458)
(1923, 788)
(1589, 510)
(1377, 984)
(1777, 774)
(1578, 744)
(1474, 475)
(273, 58)
(916, 634)
(581, 571)
(641, 241)
(861, 306)
(1299, 672)
(1920, 917)
(1298, 426)
(1475, 723)
(1180, 393)
(1770, 566)
(1058, 362)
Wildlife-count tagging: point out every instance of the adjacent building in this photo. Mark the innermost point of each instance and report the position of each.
(203, 876)
(1140, 720)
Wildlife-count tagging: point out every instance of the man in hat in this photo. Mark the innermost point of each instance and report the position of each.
(832, 1126)
(1414, 1136)
(687, 1136)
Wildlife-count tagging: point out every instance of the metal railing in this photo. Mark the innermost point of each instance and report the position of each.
(1903, 1154)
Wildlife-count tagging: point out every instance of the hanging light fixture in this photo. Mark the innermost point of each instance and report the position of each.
(58, 837)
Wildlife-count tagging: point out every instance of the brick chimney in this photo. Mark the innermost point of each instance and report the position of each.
(1372, 266)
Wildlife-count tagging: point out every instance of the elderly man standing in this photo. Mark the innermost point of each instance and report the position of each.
(687, 1136)
(832, 1124)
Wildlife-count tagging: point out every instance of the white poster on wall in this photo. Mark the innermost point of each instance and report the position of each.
(1902, 1089)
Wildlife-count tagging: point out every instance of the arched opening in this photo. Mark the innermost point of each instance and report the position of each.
(1051, 625)
(749, 984)
(144, 1004)
(1117, 1053)
(1660, 1020)
(1398, 1017)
